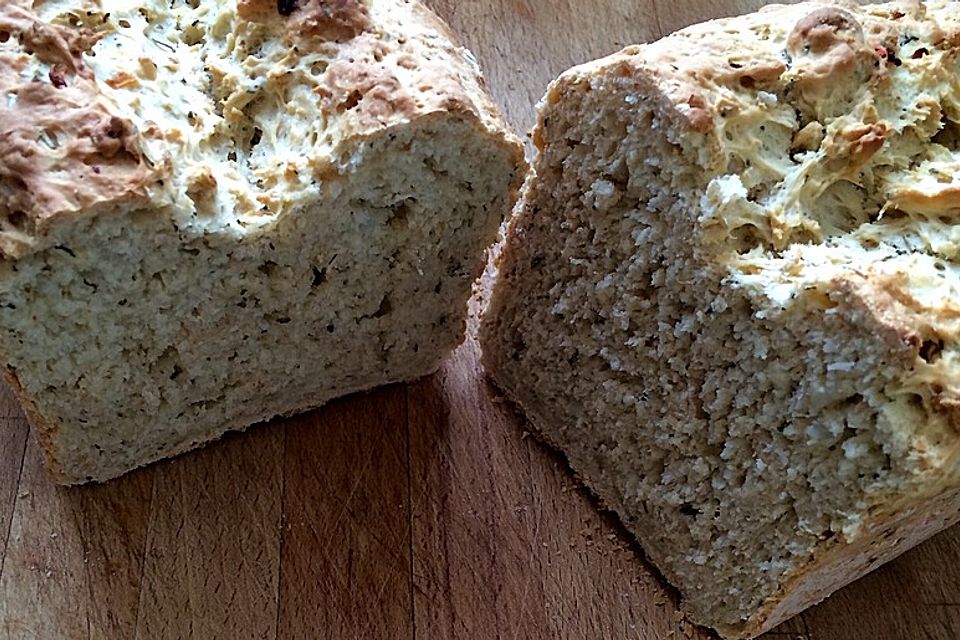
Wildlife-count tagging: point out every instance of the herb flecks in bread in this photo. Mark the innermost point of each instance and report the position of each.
(732, 293)
(217, 212)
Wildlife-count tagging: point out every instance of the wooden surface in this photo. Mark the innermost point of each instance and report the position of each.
(412, 512)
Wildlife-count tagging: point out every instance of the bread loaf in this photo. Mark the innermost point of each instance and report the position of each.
(732, 297)
(213, 213)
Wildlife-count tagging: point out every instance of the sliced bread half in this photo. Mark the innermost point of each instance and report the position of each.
(732, 297)
(213, 213)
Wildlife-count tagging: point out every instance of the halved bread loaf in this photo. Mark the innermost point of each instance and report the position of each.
(212, 213)
(732, 297)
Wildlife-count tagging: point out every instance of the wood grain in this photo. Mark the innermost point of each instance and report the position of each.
(212, 562)
(420, 511)
(525, 44)
(346, 534)
(13, 442)
(111, 522)
(43, 587)
(471, 526)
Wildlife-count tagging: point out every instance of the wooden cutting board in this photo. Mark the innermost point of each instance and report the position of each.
(418, 511)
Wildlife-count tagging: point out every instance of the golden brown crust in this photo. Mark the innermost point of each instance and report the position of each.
(837, 563)
(362, 87)
(43, 430)
(943, 200)
(816, 52)
(829, 51)
(67, 150)
(864, 302)
(360, 84)
(62, 151)
(338, 20)
(313, 20)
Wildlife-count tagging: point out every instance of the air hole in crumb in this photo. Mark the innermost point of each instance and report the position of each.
(232, 156)
(398, 215)
(852, 401)
(268, 268)
(915, 400)
(747, 82)
(930, 350)
(318, 68)
(688, 509)
(4, 36)
(319, 277)
(49, 138)
(169, 361)
(519, 348)
(385, 308)
(352, 101)
(919, 53)
(256, 137)
(16, 182)
(17, 219)
(116, 129)
(433, 164)
(746, 238)
(893, 214)
(331, 328)
(948, 135)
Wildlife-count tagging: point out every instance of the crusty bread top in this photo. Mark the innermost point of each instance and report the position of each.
(61, 148)
(231, 113)
(822, 57)
(826, 137)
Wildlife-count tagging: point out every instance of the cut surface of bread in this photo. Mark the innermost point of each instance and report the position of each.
(731, 297)
(214, 213)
